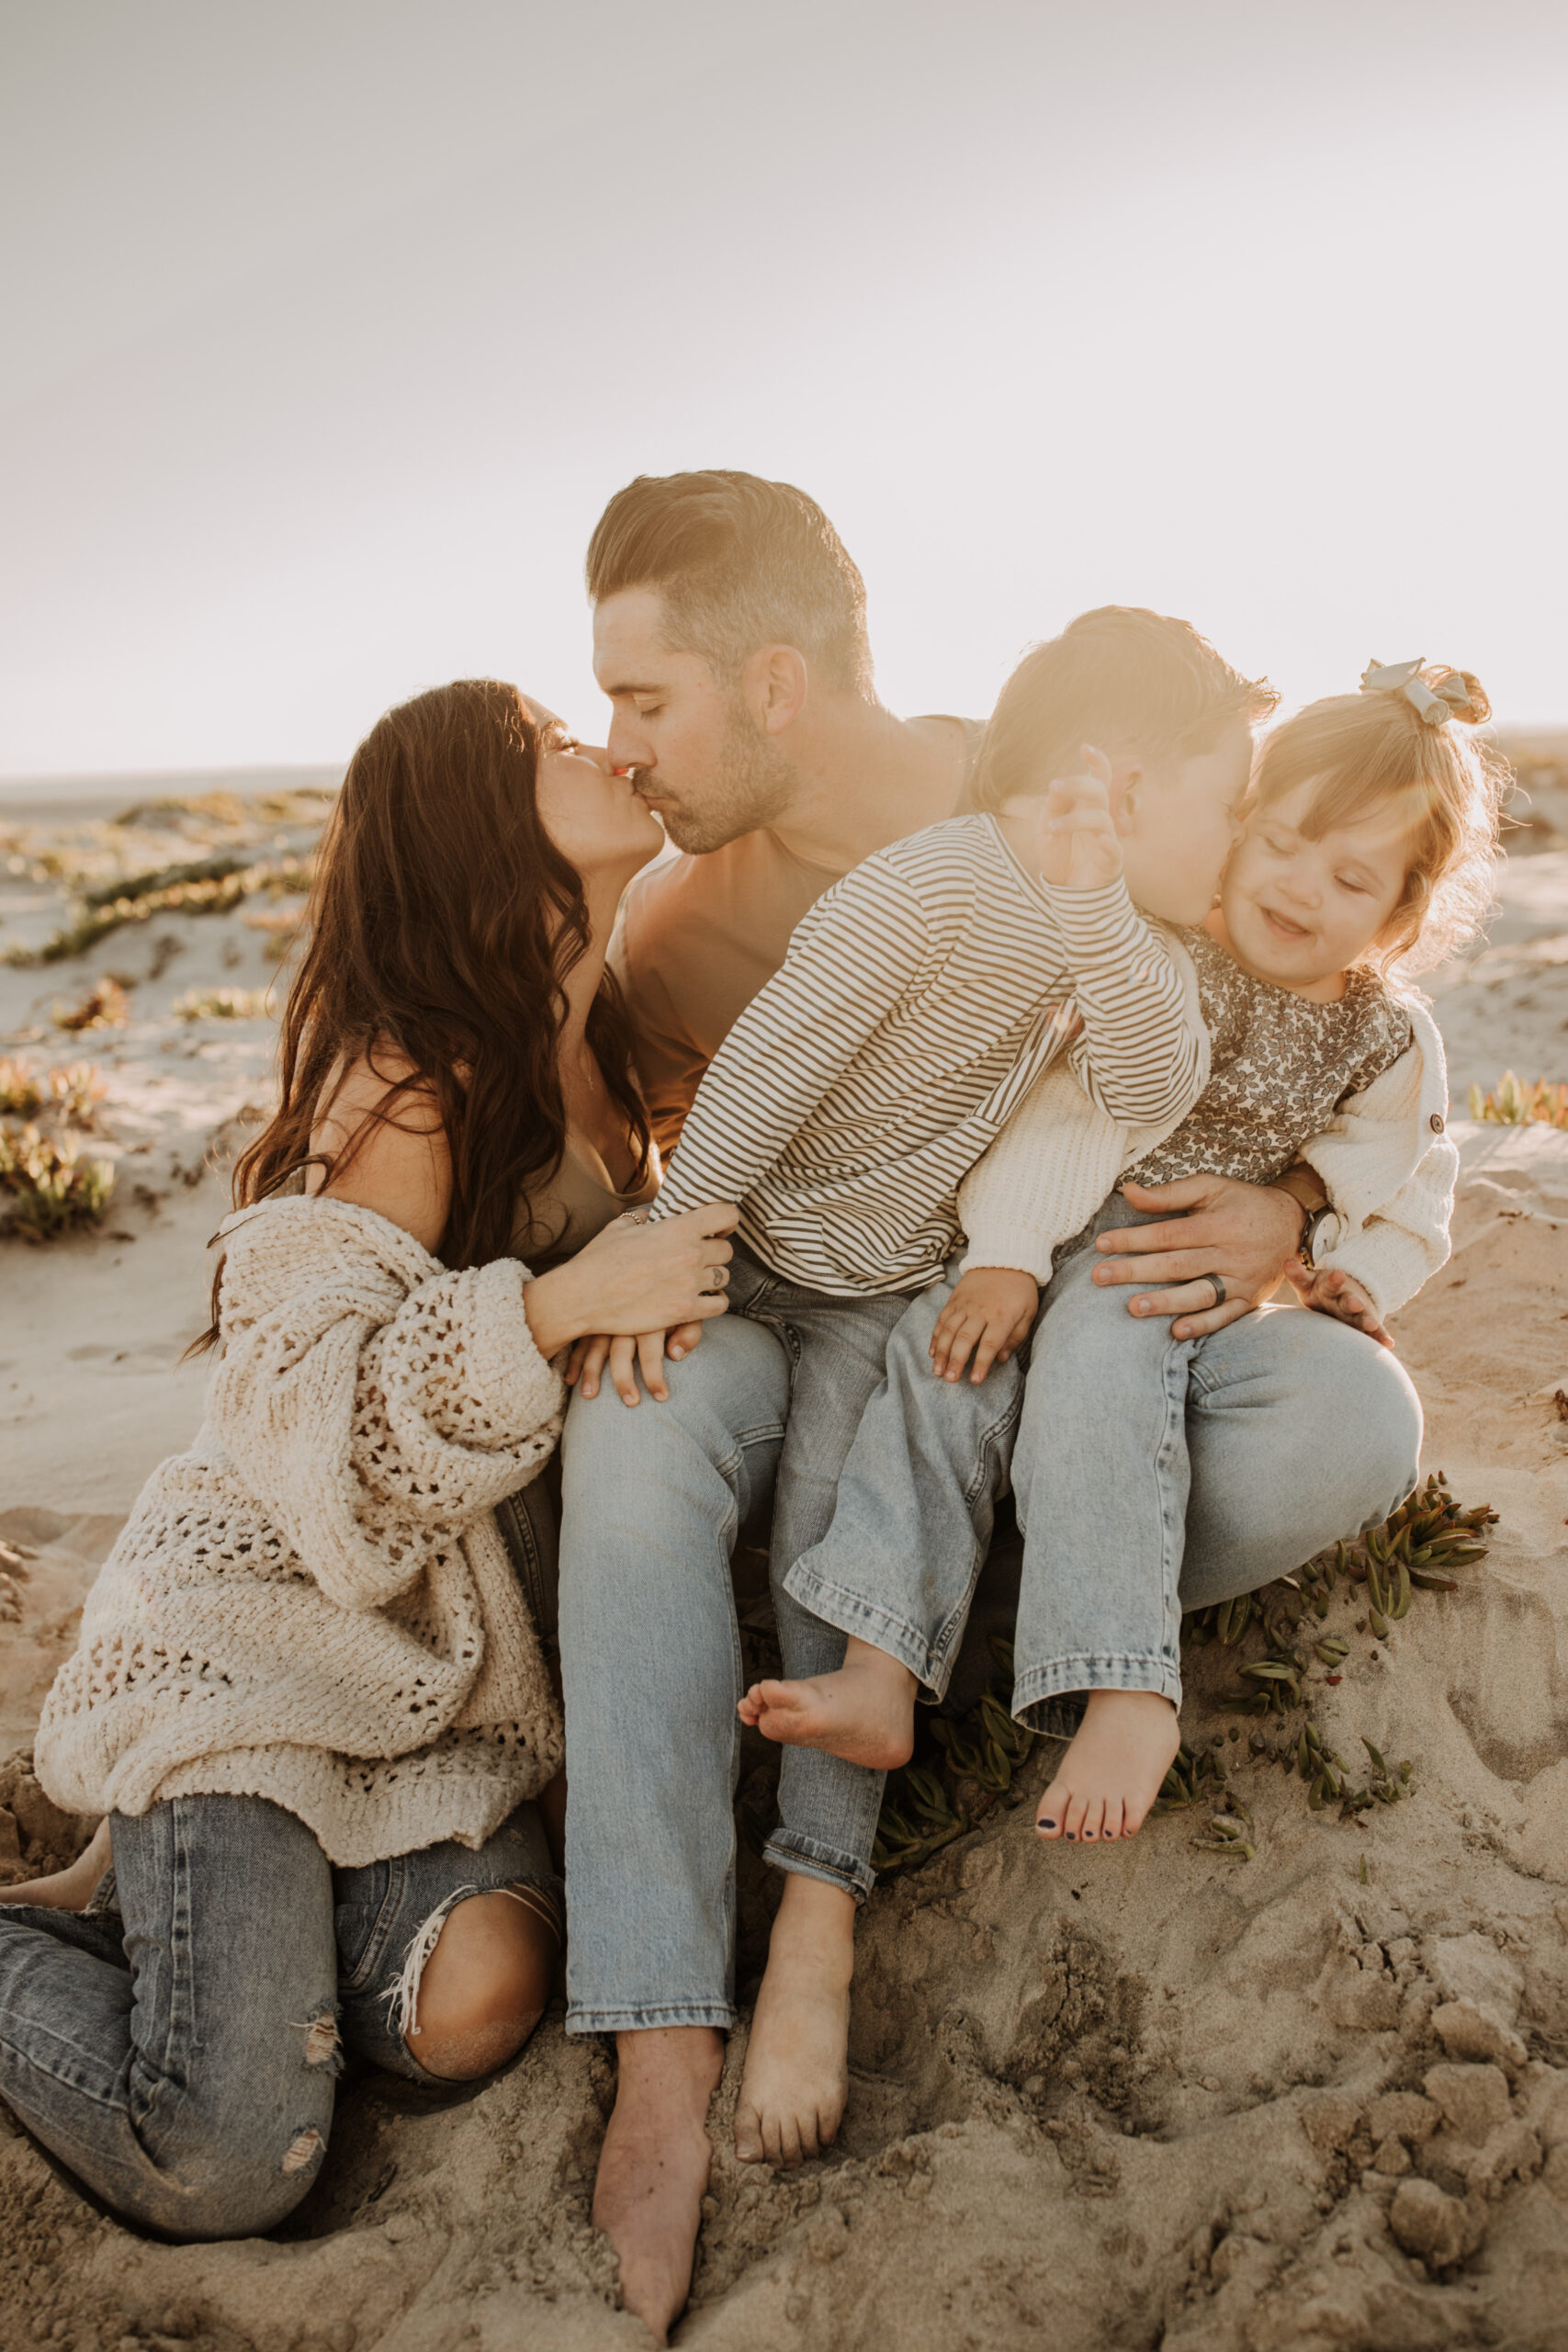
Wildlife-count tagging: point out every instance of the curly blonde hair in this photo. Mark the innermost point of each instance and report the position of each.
(1366, 751)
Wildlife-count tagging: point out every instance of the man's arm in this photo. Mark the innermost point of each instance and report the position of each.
(1248, 1234)
(669, 1062)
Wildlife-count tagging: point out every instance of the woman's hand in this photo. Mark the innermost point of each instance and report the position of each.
(1248, 1234)
(1329, 1291)
(636, 1277)
(991, 1312)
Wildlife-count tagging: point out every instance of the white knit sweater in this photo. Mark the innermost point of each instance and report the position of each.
(1385, 1160)
(313, 1604)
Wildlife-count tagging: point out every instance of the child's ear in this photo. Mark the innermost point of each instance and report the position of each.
(1126, 780)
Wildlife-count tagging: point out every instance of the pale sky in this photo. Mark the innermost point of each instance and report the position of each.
(330, 325)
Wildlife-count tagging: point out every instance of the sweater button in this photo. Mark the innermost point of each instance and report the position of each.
(1436, 1122)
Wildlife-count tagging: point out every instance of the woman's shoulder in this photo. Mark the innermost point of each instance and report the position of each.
(379, 1142)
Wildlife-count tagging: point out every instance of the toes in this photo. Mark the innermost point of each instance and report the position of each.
(1113, 1825)
(772, 2139)
(1050, 1818)
(1093, 1821)
(749, 2137)
(789, 2141)
(1073, 1819)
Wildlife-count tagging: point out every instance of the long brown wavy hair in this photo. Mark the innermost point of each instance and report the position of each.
(442, 924)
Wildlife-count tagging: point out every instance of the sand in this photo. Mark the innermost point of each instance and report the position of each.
(1162, 2096)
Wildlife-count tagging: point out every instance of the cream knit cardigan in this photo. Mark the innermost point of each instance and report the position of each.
(313, 1604)
(1385, 1160)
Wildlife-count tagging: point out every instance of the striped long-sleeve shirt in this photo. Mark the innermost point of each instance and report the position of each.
(920, 999)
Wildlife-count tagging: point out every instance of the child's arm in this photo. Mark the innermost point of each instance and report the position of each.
(991, 1312)
(1143, 1052)
(853, 956)
(1386, 1234)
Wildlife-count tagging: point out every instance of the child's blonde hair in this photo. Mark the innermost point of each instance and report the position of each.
(1366, 751)
(1119, 673)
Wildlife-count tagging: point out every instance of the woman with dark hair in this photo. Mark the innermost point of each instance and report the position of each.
(313, 1695)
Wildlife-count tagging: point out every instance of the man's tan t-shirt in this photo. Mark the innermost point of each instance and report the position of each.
(699, 936)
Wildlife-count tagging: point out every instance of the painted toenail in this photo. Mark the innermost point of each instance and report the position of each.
(1044, 1825)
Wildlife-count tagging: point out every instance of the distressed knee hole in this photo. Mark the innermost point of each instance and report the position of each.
(323, 2042)
(302, 2150)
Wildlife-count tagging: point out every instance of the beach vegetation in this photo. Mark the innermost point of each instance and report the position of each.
(46, 1187)
(221, 1004)
(71, 1092)
(105, 1006)
(1511, 1103)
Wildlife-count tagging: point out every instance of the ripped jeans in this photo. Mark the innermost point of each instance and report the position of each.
(178, 2045)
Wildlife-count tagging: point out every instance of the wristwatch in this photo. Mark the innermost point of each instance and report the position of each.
(1310, 1230)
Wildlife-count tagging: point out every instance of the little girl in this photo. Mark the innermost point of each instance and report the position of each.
(1369, 842)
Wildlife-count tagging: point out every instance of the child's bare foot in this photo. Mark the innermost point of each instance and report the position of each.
(1112, 1773)
(866, 1713)
(653, 2167)
(797, 2078)
(72, 1888)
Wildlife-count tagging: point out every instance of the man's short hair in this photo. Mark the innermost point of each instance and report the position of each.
(1119, 673)
(738, 563)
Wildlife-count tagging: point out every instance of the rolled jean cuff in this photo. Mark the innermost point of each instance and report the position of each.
(788, 1850)
(1040, 1694)
(851, 1613)
(720, 2014)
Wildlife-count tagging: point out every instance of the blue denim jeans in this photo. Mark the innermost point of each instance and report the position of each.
(653, 1501)
(1150, 1475)
(178, 2045)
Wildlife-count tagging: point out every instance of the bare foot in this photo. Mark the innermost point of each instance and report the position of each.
(866, 1713)
(798, 2076)
(1112, 1773)
(72, 1888)
(653, 2167)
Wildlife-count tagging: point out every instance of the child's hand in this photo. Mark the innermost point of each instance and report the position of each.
(1079, 845)
(1331, 1292)
(991, 1312)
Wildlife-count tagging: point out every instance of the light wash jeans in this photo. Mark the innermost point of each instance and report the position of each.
(1150, 1475)
(652, 1500)
(178, 2045)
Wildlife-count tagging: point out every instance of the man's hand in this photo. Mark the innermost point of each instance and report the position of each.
(1328, 1291)
(992, 1311)
(1248, 1234)
(1078, 847)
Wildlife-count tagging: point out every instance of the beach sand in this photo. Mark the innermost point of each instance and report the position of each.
(1160, 2094)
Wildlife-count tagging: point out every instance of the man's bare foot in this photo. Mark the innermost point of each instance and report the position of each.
(653, 2167)
(1112, 1773)
(72, 1888)
(797, 2074)
(866, 1713)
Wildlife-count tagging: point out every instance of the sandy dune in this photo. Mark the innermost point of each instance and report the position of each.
(1162, 2096)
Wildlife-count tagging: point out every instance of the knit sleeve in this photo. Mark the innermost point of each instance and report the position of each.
(1043, 1179)
(1403, 1243)
(375, 1403)
(1390, 1171)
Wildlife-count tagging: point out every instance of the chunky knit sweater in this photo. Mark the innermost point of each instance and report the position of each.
(313, 1604)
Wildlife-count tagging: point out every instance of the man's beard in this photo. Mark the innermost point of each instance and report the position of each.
(752, 788)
